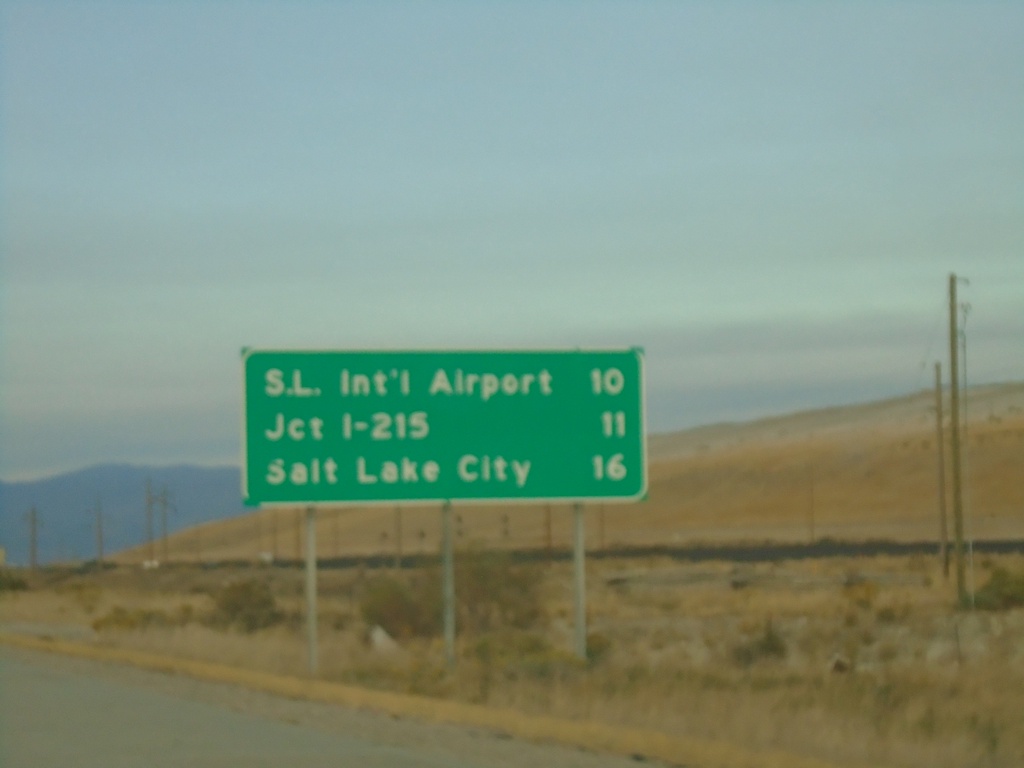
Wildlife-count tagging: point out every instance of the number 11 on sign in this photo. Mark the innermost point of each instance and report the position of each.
(613, 423)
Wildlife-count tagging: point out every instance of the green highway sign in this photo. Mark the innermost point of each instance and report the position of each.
(381, 426)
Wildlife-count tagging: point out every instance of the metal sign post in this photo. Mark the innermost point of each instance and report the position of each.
(448, 583)
(579, 581)
(363, 427)
(311, 589)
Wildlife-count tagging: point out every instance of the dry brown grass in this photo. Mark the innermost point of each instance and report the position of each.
(929, 685)
(685, 655)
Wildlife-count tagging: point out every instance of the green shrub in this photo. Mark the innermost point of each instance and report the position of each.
(11, 582)
(491, 594)
(494, 593)
(514, 654)
(769, 645)
(520, 655)
(1003, 590)
(598, 646)
(246, 605)
(860, 591)
(403, 610)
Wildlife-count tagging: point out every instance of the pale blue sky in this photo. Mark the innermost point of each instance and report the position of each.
(767, 196)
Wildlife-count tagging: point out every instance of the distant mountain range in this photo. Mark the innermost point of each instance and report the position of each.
(66, 508)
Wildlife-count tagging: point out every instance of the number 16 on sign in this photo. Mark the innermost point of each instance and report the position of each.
(609, 467)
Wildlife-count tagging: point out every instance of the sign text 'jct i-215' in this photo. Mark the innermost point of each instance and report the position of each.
(369, 426)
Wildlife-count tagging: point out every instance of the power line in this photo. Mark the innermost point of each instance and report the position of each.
(922, 367)
(163, 499)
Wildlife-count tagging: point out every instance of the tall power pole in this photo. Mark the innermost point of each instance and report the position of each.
(164, 498)
(943, 532)
(99, 533)
(33, 538)
(954, 426)
(150, 554)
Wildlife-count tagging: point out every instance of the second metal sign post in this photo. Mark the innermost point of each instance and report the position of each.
(363, 427)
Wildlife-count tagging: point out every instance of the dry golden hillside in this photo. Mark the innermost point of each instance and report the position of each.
(853, 473)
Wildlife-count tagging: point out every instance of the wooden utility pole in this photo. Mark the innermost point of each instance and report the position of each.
(33, 538)
(954, 425)
(547, 527)
(150, 554)
(99, 533)
(199, 543)
(943, 532)
(164, 501)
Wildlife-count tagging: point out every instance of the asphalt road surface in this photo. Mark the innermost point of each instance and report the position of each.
(60, 712)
